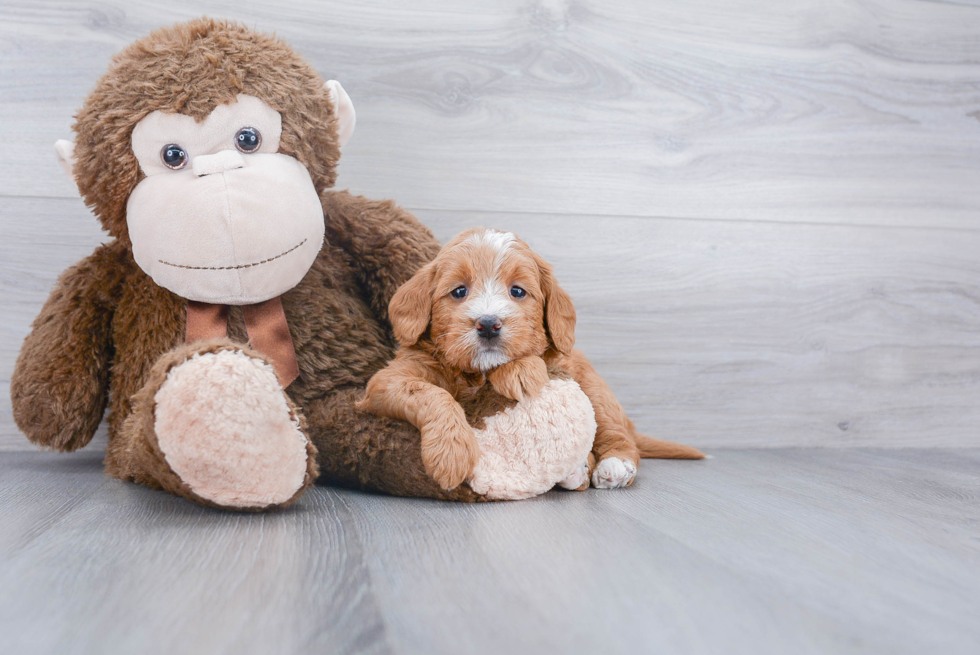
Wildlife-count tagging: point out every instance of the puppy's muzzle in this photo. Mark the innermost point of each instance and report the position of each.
(488, 327)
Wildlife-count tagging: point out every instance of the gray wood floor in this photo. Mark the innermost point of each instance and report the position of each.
(754, 551)
(768, 214)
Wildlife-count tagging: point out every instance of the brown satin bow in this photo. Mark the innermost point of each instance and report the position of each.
(265, 323)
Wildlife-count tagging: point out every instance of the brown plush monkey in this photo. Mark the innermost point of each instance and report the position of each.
(207, 151)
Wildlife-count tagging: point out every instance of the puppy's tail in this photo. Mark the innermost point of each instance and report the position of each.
(659, 449)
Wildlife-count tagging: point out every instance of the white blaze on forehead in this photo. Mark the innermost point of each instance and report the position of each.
(499, 241)
(491, 297)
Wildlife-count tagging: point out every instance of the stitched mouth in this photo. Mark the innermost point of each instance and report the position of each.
(232, 268)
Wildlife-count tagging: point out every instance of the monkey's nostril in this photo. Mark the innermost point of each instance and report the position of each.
(488, 327)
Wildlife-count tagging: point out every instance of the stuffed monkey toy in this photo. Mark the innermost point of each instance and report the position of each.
(240, 307)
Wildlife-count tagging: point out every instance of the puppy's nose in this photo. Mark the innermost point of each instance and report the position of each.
(488, 327)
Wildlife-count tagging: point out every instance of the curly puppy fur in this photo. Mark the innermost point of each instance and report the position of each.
(107, 325)
(488, 310)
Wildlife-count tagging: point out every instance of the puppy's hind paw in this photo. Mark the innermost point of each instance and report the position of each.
(613, 473)
(577, 480)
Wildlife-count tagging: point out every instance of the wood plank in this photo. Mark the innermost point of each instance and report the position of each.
(711, 332)
(754, 551)
(782, 552)
(856, 112)
(119, 568)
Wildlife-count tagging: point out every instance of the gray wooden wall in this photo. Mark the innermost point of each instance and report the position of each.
(767, 212)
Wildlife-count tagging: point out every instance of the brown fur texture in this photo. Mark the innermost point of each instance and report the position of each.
(108, 333)
(439, 360)
(191, 68)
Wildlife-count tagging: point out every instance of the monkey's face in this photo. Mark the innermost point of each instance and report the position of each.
(222, 216)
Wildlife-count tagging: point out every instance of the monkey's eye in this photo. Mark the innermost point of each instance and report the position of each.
(517, 292)
(173, 156)
(248, 139)
(458, 292)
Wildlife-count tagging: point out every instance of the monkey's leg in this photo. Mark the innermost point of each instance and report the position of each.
(213, 425)
(360, 450)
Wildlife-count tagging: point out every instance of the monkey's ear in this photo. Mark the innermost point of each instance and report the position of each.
(65, 151)
(410, 309)
(344, 109)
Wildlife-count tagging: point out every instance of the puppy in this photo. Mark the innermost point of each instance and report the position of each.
(488, 309)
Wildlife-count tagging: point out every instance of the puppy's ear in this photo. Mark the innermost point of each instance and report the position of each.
(559, 312)
(410, 309)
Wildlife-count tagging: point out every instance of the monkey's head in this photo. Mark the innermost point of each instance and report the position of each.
(206, 147)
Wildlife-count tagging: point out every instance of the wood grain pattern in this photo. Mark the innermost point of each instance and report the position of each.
(771, 551)
(293, 582)
(711, 332)
(862, 111)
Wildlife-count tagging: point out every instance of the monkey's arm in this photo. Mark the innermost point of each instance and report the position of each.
(387, 243)
(59, 387)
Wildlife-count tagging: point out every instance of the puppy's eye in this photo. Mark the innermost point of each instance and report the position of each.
(248, 139)
(173, 156)
(517, 292)
(458, 292)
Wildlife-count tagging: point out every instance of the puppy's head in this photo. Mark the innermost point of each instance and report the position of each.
(486, 299)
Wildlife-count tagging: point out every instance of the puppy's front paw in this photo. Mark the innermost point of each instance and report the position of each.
(520, 378)
(577, 480)
(613, 473)
(449, 452)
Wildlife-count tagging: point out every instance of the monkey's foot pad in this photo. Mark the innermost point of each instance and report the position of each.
(224, 426)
